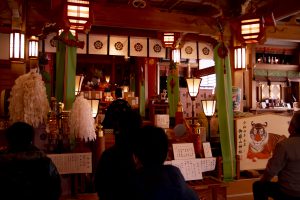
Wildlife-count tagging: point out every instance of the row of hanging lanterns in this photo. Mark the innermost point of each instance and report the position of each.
(77, 18)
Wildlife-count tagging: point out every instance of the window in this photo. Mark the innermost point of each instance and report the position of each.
(208, 82)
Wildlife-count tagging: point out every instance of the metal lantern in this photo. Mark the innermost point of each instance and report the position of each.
(208, 107)
(193, 86)
(193, 89)
(17, 46)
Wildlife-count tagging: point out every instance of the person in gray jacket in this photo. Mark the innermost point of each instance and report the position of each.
(284, 163)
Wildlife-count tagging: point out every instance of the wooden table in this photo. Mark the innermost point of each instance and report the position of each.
(210, 188)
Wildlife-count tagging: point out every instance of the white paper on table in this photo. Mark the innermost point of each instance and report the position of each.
(183, 151)
(72, 163)
(207, 149)
(162, 120)
(208, 164)
(190, 169)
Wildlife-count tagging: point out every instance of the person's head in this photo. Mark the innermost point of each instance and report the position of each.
(151, 146)
(118, 92)
(19, 134)
(294, 127)
(127, 125)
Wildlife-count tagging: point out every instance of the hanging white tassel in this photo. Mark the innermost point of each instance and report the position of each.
(28, 100)
(81, 121)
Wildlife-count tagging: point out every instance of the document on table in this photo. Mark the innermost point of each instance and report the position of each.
(192, 169)
(183, 151)
(72, 163)
(207, 149)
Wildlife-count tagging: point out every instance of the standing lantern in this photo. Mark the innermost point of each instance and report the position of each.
(193, 89)
(208, 107)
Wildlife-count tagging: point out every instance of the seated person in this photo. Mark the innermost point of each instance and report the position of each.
(285, 163)
(114, 177)
(25, 171)
(156, 181)
(114, 109)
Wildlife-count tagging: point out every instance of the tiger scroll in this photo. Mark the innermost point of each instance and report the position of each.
(256, 137)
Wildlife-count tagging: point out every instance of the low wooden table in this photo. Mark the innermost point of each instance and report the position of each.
(210, 188)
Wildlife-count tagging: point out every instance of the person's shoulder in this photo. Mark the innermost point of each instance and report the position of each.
(294, 140)
(109, 153)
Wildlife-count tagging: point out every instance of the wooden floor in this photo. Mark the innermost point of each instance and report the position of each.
(240, 189)
(236, 190)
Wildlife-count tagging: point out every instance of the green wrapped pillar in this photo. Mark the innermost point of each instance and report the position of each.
(173, 90)
(225, 110)
(66, 56)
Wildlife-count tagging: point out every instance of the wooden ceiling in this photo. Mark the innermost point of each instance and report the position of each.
(145, 16)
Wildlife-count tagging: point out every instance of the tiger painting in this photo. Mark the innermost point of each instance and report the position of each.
(261, 142)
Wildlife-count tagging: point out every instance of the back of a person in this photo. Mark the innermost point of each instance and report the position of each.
(289, 177)
(160, 183)
(25, 171)
(27, 176)
(156, 181)
(116, 168)
(114, 173)
(113, 112)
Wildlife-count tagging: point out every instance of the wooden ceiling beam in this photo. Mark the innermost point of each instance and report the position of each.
(152, 19)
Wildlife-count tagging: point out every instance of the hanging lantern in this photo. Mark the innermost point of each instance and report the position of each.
(33, 47)
(78, 83)
(239, 57)
(169, 39)
(78, 14)
(252, 29)
(176, 55)
(17, 46)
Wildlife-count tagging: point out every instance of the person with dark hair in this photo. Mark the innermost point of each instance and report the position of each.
(114, 110)
(25, 171)
(285, 163)
(156, 181)
(114, 178)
